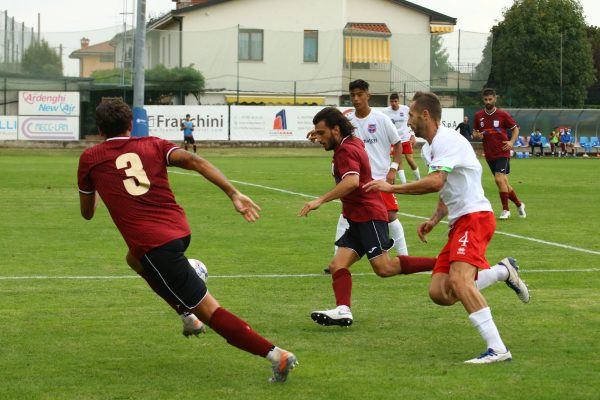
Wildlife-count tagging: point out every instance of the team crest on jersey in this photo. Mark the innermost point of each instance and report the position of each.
(372, 128)
(481, 123)
(496, 123)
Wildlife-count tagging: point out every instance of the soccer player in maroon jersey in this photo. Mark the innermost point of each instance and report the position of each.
(366, 214)
(130, 175)
(492, 126)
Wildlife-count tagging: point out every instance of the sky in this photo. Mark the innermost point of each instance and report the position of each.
(73, 15)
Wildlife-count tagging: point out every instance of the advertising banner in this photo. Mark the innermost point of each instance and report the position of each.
(8, 127)
(210, 122)
(48, 128)
(49, 103)
(271, 123)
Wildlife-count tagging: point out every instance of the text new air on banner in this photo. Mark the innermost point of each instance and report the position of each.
(49, 103)
(210, 122)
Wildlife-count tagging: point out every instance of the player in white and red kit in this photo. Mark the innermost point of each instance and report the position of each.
(398, 113)
(455, 173)
(492, 126)
(366, 213)
(378, 133)
(130, 175)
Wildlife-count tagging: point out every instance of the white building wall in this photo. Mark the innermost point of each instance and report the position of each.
(210, 43)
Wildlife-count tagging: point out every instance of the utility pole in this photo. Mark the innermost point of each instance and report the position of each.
(140, 118)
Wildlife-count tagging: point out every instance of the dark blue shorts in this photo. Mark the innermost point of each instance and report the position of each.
(370, 238)
(501, 165)
(168, 266)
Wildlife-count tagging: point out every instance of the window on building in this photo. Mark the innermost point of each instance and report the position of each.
(311, 46)
(250, 45)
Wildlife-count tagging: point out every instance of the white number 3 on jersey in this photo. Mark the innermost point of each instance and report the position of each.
(138, 183)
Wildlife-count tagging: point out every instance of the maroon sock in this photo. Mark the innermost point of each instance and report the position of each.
(238, 333)
(504, 200)
(411, 265)
(342, 286)
(162, 292)
(513, 197)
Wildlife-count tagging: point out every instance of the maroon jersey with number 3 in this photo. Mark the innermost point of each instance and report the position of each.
(130, 174)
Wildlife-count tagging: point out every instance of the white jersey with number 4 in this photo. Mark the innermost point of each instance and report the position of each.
(462, 193)
(399, 118)
(379, 133)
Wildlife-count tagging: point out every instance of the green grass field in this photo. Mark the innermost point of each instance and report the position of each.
(77, 324)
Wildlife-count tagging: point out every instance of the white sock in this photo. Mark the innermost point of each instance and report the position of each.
(487, 277)
(397, 233)
(417, 174)
(274, 355)
(342, 225)
(483, 321)
(402, 176)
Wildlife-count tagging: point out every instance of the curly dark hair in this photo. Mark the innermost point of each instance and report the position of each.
(113, 117)
(332, 117)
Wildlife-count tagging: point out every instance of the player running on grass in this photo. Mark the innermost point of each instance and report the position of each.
(455, 172)
(366, 214)
(130, 174)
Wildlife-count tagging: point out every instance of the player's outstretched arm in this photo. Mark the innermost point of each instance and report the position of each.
(434, 182)
(424, 228)
(345, 187)
(242, 203)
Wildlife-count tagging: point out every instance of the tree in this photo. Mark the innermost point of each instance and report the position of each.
(163, 82)
(39, 59)
(594, 90)
(439, 60)
(539, 45)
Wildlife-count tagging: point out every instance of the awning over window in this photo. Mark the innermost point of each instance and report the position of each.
(441, 28)
(367, 43)
(274, 100)
(367, 50)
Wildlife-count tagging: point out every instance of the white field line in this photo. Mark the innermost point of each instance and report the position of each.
(264, 276)
(531, 239)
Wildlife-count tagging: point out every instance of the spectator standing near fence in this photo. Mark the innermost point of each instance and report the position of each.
(492, 126)
(465, 129)
(187, 126)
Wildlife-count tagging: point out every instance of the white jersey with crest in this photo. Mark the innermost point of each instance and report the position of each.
(379, 133)
(462, 193)
(399, 118)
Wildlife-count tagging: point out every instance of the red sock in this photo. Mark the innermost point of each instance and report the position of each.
(411, 265)
(162, 292)
(513, 197)
(342, 286)
(504, 200)
(238, 333)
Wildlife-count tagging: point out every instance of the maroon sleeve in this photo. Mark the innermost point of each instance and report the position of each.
(347, 161)
(84, 181)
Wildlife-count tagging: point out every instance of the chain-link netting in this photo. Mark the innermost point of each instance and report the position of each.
(240, 61)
